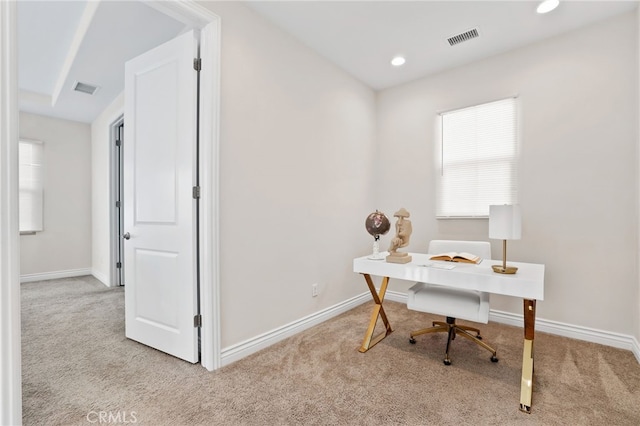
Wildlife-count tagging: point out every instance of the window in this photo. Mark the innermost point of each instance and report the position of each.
(30, 185)
(478, 156)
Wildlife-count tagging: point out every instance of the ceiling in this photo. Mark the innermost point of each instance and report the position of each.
(63, 42)
(362, 37)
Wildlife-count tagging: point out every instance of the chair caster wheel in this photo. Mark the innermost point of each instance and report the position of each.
(479, 337)
(412, 341)
(494, 358)
(447, 361)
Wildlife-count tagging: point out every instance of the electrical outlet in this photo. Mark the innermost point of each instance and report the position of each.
(314, 290)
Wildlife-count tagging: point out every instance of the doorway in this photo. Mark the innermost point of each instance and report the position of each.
(10, 370)
(198, 17)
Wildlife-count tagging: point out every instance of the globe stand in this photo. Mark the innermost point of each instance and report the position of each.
(377, 224)
(376, 249)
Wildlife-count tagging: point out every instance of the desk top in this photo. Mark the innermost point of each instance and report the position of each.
(527, 283)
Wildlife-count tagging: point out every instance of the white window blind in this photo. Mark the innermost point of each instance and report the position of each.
(31, 185)
(479, 154)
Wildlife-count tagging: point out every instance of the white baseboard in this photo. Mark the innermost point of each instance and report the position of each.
(607, 338)
(42, 276)
(395, 296)
(587, 334)
(636, 348)
(104, 279)
(250, 346)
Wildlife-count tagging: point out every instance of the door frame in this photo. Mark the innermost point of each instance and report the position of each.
(191, 13)
(10, 336)
(116, 221)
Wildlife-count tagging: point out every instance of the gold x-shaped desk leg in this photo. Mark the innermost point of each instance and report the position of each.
(526, 387)
(378, 311)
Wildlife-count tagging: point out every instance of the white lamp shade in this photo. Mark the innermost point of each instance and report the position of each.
(505, 222)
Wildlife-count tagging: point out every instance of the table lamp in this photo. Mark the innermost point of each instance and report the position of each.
(505, 223)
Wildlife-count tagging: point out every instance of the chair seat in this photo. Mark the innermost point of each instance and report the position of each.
(453, 303)
(469, 305)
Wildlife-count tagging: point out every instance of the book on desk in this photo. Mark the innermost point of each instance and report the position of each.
(457, 257)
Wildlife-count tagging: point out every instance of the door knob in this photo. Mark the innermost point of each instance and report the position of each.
(126, 236)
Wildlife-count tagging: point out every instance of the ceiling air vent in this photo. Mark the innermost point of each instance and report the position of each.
(467, 35)
(85, 88)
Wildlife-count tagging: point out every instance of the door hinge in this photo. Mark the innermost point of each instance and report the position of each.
(119, 265)
(197, 321)
(196, 192)
(197, 64)
(118, 204)
(118, 142)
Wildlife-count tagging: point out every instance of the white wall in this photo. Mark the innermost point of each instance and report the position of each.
(65, 243)
(296, 165)
(578, 184)
(100, 189)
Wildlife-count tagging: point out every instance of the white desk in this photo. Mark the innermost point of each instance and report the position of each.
(527, 283)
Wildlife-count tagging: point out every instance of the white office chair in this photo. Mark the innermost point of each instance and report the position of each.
(453, 303)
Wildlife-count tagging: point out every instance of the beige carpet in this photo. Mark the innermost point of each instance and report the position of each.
(77, 363)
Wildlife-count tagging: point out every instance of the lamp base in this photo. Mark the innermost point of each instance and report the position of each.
(499, 269)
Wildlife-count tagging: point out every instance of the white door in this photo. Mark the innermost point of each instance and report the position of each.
(159, 209)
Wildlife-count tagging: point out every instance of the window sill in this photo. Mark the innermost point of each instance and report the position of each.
(460, 217)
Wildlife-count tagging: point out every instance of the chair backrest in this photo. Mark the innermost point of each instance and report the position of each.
(470, 305)
(479, 248)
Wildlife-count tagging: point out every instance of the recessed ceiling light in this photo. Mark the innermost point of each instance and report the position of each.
(547, 6)
(398, 61)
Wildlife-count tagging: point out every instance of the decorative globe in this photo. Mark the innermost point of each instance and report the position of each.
(377, 224)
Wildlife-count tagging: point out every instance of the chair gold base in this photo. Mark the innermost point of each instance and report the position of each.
(454, 329)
